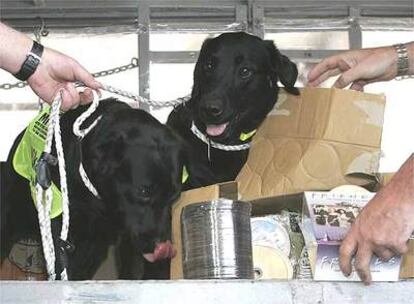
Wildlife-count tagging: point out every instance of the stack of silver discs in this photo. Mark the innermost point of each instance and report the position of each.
(216, 240)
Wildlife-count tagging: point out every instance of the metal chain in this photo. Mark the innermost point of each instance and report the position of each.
(134, 64)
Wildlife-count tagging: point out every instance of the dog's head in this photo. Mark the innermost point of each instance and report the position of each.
(139, 164)
(235, 84)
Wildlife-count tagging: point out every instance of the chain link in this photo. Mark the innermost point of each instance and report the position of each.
(134, 64)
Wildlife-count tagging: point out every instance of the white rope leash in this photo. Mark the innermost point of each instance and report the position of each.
(170, 103)
(63, 185)
(44, 196)
(154, 103)
(81, 133)
(217, 145)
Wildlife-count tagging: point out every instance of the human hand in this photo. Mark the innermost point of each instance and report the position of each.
(383, 227)
(57, 71)
(356, 67)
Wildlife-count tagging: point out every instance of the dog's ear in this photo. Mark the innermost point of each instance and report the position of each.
(283, 69)
(199, 69)
(107, 156)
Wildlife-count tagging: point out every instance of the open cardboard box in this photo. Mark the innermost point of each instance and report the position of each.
(260, 206)
(316, 141)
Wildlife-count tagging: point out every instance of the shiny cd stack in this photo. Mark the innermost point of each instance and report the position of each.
(216, 239)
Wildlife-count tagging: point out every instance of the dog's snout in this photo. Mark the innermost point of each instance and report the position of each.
(212, 109)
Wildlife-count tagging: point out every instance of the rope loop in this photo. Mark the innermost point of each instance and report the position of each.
(44, 196)
(81, 133)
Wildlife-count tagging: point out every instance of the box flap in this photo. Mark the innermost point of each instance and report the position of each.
(312, 141)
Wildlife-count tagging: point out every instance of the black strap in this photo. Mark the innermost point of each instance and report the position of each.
(29, 66)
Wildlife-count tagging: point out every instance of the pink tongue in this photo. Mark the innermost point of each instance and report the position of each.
(163, 250)
(216, 130)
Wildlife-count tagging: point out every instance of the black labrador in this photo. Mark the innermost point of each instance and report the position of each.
(235, 86)
(134, 162)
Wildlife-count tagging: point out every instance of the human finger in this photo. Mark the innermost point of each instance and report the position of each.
(400, 248)
(329, 63)
(358, 85)
(86, 96)
(355, 74)
(362, 261)
(384, 253)
(67, 100)
(81, 74)
(73, 95)
(325, 76)
(346, 252)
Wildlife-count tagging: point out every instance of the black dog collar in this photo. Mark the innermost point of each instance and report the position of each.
(31, 63)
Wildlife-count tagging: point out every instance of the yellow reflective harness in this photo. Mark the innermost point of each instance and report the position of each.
(28, 152)
(246, 136)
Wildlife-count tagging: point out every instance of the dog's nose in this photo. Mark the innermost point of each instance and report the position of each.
(212, 110)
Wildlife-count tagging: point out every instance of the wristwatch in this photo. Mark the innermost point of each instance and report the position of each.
(402, 61)
(33, 59)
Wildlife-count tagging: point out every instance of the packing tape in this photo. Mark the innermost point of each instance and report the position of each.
(271, 263)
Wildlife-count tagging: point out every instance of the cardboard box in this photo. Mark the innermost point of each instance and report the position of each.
(226, 190)
(316, 141)
(260, 207)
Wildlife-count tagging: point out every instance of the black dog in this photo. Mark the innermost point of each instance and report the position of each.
(134, 162)
(235, 86)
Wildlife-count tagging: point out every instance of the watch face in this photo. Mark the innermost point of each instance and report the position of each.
(32, 61)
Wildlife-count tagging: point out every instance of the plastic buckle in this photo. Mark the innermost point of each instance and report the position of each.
(43, 176)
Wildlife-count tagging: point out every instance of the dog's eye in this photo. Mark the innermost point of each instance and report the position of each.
(245, 73)
(144, 192)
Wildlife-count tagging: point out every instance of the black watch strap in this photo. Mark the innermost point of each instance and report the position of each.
(33, 59)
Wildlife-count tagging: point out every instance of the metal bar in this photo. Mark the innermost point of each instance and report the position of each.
(309, 55)
(39, 2)
(144, 50)
(174, 57)
(241, 15)
(355, 32)
(191, 56)
(205, 292)
(257, 19)
(10, 15)
(13, 106)
(270, 3)
(202, 3)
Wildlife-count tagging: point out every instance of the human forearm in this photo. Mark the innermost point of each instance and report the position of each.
(389, 55)
(402, 185)
(361, 67)
(14, 47)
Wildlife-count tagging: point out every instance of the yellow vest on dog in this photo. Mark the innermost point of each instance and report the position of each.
(28, 152)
